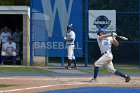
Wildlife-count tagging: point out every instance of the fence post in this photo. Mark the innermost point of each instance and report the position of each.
(139, 33)
(31, 45)
(139, 48)
(62, 57)
(62, 61)
(86, 33)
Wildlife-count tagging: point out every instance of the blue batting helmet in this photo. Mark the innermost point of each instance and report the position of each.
(69, 26)
(101, 30)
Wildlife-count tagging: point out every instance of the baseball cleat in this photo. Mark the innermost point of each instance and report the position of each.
(68, 67)
(74, 67)
(93, 80)
(127, 79)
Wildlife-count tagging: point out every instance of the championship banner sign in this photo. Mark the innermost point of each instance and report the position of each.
(50, 19)
(101, 19)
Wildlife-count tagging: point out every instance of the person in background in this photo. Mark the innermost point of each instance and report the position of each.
(4, 36)
(6, 28)
(9, 49)
(16, 39)
(70, 38)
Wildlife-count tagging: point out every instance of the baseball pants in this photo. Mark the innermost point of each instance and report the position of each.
(106, 60)
(71, 52)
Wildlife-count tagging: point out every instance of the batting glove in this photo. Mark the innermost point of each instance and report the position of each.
(114, 34)
(65, 38)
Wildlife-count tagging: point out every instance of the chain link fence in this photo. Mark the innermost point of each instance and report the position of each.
(14, 2)
(127, 24)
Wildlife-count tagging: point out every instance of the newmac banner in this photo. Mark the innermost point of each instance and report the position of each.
(101, 19)
(49, 20)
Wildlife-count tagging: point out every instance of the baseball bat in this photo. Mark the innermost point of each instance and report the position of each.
(122, 37)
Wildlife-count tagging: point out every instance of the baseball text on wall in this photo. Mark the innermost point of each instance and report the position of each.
(49, 22)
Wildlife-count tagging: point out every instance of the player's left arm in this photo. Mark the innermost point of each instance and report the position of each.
(115, 42)
(14, 47)
(68, 39)
(71, 38)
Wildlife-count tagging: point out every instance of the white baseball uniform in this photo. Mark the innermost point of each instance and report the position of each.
(8, 48)
(4, 36)
(70, 44)
(107, 57)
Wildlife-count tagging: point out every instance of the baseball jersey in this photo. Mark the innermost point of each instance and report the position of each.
(4, 36)
(70, 35)
(10, 47)
(105, 44)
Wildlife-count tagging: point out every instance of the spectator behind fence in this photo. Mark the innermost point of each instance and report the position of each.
(9, 49)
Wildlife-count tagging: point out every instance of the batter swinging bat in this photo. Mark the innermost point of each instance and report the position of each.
(122, 37)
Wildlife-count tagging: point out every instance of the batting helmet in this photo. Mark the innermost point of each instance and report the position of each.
(69, 26)
(102, 30)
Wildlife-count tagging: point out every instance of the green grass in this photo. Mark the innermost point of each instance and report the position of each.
(105, 71)
(23, 70)
(6, 85)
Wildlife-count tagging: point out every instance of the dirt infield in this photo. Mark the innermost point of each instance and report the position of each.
(31, 84)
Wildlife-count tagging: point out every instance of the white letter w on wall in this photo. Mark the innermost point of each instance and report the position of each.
(64, 15)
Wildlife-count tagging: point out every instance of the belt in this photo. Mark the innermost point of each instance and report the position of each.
(69, 44)
(106, 52)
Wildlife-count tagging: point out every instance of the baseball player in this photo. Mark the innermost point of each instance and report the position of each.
(9, 49)
(16, 39)
(4, 36)
(70, 38)
(105, 42)
(5, 28)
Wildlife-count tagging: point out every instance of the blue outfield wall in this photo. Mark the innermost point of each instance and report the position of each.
(49, 21)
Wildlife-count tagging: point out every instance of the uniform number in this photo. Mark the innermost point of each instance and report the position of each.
(105, 43)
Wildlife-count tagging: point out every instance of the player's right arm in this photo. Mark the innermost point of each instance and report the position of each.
(113, 35)
(104, 36)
